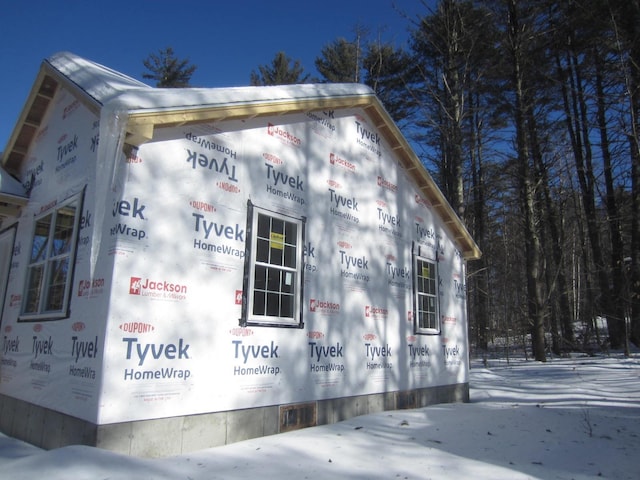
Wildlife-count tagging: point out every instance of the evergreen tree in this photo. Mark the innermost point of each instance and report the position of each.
(340, 62)
(167, 70)
(280, 72)
(378, 65)
(451, 82)
(387, 72)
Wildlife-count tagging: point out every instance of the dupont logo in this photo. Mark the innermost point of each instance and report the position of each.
(238, 297)
(315, 335)
(369, 336)
(375, 312)
(333, 184)
(136, 327)
(343, 244)
(78, 326)
(271, 158)
(228, 187)
(241, 332)
(381, 203)
(323, 306)
(37, 328)
(202, 206)
(341, 162)
(451, 320)
(157, 289)
(283, 135)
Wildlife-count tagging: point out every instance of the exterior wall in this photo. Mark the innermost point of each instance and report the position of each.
(153, 346)
(57, 363)
(179, 260)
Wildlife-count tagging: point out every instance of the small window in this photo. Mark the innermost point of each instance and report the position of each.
(49, 271)
(425, 280)
(273, 269)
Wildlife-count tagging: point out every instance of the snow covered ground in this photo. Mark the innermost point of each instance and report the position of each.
(567, 419)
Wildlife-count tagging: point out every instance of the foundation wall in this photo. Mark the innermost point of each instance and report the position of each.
(163, 437)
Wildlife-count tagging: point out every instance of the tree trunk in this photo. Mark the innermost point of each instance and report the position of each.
(578, 128)
(633, 91)
(613, 215)
(535, 310)
(480, 278)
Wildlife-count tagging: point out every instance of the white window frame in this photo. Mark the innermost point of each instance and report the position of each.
(426, 292)
(36, 295)
(257, 292)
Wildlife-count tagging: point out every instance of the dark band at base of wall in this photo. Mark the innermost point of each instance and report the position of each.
(163, 437)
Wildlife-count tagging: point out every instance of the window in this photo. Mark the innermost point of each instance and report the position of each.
(49, 272)
(273, 269)
(425, 280)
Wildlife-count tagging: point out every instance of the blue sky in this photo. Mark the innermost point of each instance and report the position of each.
(226, 40)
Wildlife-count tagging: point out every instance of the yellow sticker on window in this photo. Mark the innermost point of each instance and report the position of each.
(425, 271)
(277, 240)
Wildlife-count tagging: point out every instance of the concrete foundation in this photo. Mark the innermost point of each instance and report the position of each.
(177, 435)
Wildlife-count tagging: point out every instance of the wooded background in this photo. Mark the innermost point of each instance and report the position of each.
(528, 112)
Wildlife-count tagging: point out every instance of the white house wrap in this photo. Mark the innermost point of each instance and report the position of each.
(192, 267)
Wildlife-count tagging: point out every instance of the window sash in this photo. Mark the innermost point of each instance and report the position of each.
(49, 272)
(426, 296)
(273, 283)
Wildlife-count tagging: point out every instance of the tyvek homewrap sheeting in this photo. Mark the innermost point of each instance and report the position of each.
(56, 363)
(174, 342)
(154, 326)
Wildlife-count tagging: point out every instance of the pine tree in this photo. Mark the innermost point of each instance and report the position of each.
(339, 62)
(280, 72)
(167, 70)
(386, 71)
